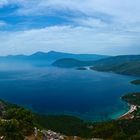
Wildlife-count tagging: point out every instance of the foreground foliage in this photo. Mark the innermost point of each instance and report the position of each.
(16, 122)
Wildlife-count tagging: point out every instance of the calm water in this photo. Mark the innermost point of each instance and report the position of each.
(87, 94)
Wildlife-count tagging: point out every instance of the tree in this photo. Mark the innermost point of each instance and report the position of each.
(11, 130)
(24, 117)
(120, 136)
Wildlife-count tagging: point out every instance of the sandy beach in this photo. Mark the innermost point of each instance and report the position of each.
(128, 115)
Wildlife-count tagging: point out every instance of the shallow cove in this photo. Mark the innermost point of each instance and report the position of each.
(90, 95)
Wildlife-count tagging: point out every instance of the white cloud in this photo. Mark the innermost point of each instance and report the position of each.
(2, 24)
(108, 26)
(126, 9)
(3, 2)
(69, 39)
(90, 22)
(125, 13)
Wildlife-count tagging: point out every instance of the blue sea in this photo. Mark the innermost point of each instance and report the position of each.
(90, 95)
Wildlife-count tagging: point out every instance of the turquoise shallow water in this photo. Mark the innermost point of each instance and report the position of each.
(90, 95)
(117, 114)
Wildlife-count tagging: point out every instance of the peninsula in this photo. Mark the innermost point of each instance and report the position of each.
(133, 100)
(135, 82)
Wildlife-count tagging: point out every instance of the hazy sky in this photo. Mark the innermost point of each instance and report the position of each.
(78, 26)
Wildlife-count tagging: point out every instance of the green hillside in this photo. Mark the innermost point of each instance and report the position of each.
(70, 62)
(125, 64)
(128, 68)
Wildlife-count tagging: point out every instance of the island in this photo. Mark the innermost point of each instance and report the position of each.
(135, 82)
(72, 63)
(81, 68)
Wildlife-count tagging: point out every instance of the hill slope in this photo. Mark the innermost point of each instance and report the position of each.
(70, 62)
(125, 64)
(129, 65)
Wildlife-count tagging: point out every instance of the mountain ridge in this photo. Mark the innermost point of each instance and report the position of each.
(52, 56)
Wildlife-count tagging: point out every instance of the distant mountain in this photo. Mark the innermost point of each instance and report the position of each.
(53, 55)
(42, 58)
(125, 64)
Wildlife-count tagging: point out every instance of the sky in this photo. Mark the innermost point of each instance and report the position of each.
(110, 27)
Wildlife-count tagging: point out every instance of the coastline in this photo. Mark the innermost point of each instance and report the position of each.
(128, 114)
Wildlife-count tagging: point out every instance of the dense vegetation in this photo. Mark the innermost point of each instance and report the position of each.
(81, 68)
(135, 82)
(16, 122)
(129, 68)
(70, 62)
(68, 125)
(116, 130)
(132, 98)
(125, 64)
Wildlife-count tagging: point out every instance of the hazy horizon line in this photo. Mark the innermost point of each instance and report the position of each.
(66, 52)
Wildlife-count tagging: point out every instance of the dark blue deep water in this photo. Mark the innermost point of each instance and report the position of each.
(88, 94)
